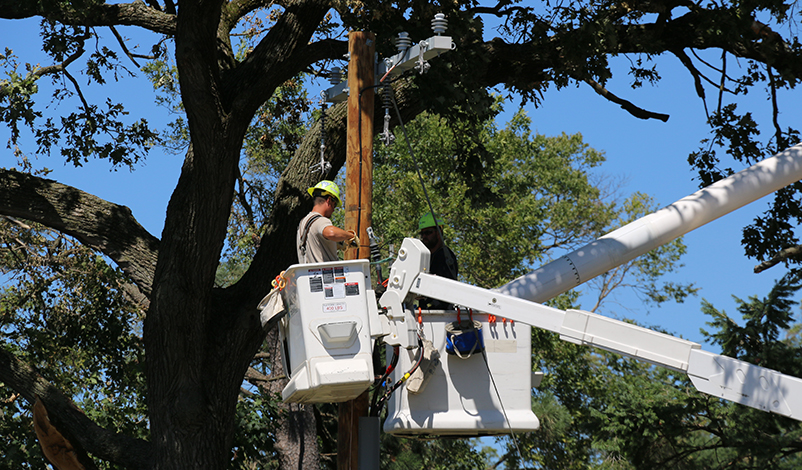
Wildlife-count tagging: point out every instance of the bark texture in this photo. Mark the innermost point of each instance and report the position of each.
(296, 436)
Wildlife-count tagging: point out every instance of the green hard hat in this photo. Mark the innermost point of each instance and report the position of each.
(327, 188)
(428, 221)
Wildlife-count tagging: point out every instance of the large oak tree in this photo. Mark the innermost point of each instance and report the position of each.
(199, 339)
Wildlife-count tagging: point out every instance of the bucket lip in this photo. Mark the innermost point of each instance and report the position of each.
(364, 263)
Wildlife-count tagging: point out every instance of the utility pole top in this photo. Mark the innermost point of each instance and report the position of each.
(408, 57)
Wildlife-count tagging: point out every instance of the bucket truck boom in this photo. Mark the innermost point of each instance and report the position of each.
(716, 375)
(710, 373)
(332, 316)
(659, 228)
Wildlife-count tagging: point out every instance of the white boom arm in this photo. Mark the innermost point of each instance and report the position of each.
(716, 375)
(659, 228)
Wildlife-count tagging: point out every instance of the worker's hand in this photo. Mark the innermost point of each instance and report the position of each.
(351, 242)
(354, 242)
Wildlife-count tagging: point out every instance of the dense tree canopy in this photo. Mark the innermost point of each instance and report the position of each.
(200, 333)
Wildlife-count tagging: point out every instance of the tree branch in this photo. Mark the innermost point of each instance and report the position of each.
(38, 72)
(243, 198)
(128, 53)
(74, 424)
(77, 90)
(775, 110)
(497, 10)
(259, 379)
(239, 8)
(697, 80)
(278, 56)
(126, 14)
(106, 227)
(791, 252)
(625, 105)
(526, 66)
(169, 7)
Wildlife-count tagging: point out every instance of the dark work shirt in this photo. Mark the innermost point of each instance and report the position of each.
(441, 265)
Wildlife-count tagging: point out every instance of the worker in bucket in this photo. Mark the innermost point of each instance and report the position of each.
(317, 237)
(443, 261)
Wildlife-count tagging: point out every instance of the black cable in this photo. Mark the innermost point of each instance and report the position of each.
(390, 367)
(403, 378)
(359, 138)
(376, 257)
(423, 186)
(380, 382)
(503, 410)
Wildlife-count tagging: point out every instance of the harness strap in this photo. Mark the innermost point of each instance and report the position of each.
(305, 233)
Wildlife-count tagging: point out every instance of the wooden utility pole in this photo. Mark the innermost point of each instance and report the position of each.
(358, 207)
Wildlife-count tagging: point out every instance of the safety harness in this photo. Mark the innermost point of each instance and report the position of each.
(305, 233)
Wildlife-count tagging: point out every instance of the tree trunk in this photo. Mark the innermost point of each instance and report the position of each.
(197, 339)
(296, 436)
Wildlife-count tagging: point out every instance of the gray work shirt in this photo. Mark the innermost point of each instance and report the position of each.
(318, 248)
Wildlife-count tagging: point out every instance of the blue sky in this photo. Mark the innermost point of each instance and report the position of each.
(649, 156)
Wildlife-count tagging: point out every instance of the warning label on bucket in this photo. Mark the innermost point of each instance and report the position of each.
(335, 307)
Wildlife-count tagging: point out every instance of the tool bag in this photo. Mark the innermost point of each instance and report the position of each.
(271, 306)
(429, 363)
(464, 337)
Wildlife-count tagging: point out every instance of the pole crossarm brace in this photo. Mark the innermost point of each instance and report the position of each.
(396, 65)
(410, 57)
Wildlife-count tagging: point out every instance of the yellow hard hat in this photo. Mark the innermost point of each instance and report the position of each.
(326, 188)
(428, 221)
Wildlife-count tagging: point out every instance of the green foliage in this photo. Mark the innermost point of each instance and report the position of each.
(440, 454)
(733, 131)
(254, 435)
(64, 310)
(163, 74)
(93, 130)
(20, 447)
(16, 97)
(757, 341)
(774, 230)
(80, 141)
(534, 195)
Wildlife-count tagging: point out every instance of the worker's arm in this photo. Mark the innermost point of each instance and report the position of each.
(336, 234)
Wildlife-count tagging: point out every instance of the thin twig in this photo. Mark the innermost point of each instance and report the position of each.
(77, 89)
(697, 77)
(122, 44)
(775, 112)
(723, 81)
